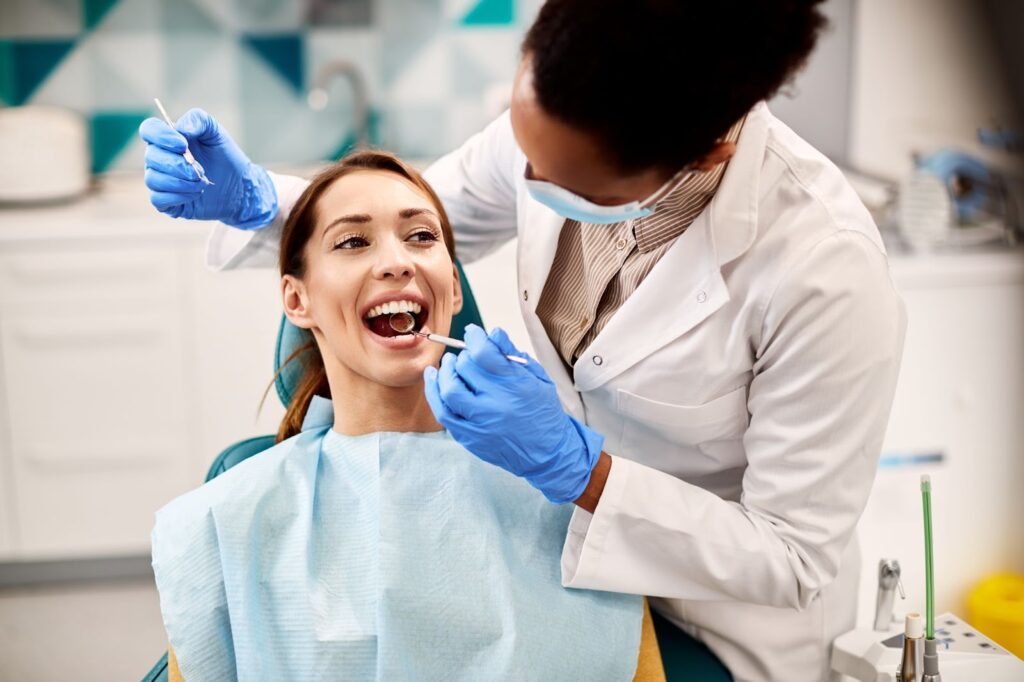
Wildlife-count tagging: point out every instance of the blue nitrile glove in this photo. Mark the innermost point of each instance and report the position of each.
(242, 194)
(509, 415)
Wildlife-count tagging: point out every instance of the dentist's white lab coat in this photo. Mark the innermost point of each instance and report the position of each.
(743, 391)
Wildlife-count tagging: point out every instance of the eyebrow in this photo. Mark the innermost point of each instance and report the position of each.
(362, 218)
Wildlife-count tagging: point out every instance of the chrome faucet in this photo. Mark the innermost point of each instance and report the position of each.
(317, 97)
(888, 582)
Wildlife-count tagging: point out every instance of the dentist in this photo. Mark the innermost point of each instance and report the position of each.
(717, 334)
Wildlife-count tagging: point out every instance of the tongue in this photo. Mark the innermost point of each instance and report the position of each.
(380, 326)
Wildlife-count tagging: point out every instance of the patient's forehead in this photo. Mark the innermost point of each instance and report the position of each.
(379, 194)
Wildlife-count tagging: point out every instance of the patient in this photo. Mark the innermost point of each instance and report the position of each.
(367, 544)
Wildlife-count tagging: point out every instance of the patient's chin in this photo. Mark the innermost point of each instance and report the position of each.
(401, 374)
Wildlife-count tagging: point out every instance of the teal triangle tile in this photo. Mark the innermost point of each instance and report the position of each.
(25, 64)
(490, 13)
(111, 132)
(6, 73)
(283, 53)
(95, 10)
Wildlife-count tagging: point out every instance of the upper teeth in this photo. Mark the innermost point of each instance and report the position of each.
(394, 307)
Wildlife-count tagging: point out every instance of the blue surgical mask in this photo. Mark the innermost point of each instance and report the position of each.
(569, 205)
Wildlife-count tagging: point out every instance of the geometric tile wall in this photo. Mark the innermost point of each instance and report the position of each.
(427, 65)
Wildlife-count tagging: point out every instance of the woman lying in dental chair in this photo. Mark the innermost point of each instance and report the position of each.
(367, 544)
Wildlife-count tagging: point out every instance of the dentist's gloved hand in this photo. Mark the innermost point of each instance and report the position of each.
(509, 415)
(242, 195)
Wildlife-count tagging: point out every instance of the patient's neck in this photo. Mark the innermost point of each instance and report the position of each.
(362, 406)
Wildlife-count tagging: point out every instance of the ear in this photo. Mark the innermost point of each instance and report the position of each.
(296, 302)
(457, 293)
(720, 153)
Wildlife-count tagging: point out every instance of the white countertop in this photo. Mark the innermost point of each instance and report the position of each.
(118, 205)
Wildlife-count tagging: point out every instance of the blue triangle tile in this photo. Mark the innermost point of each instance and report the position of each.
(111, 131)
(490, 13)
(95, 10)
(25, 64)
(283, 53)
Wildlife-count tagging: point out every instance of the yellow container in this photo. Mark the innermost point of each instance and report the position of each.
(996, 608)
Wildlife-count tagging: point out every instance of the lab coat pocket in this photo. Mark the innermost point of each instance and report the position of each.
(656, 430)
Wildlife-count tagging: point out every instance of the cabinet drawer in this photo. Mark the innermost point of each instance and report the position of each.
(100, 426)
(62, 280)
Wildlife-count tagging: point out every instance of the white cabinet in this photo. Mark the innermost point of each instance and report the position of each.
(125, 368)
(960, 394)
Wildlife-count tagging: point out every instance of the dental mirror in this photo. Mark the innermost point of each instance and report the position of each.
(402, 322)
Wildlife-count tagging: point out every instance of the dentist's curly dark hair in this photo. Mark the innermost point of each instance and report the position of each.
(657, 82)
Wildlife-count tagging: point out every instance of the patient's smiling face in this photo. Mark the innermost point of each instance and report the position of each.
(377, 242)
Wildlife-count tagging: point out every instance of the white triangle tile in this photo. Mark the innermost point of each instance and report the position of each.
(275, 121)
(426, 79)
(193, 55)
(40, 18)
(493, 50)
(215, 87)
(223, 13)
(130, 16)
(135, 59)
(359, 46)
(465, 117)
(454, 10)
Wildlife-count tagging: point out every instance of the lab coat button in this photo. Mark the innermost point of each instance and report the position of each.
(598, 360)
(526, 295)
(701, 297)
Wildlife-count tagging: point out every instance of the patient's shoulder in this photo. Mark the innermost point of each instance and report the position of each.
(243, 485)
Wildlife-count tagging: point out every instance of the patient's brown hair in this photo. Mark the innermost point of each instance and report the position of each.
(297, 232)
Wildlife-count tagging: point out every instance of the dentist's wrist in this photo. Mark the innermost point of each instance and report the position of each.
(595, 486)
(257, 205)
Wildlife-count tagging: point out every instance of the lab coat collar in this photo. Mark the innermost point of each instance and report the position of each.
(320, 414)
(733, 210)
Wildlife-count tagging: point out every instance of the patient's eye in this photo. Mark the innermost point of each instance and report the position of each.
(351, 242)
(424, 235)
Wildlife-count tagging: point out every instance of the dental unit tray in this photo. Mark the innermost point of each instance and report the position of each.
(965, 655)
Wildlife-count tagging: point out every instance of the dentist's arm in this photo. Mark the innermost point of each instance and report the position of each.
(827, 357)
(828, 350)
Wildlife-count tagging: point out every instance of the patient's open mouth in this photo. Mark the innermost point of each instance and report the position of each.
(378, 319)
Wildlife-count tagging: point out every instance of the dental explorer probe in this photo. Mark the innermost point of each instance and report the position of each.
(188, 153)
(403, 324)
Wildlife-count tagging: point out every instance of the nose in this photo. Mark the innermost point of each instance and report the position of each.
(393, 261)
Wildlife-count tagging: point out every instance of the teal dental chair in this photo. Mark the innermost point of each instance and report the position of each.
(683, 657)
